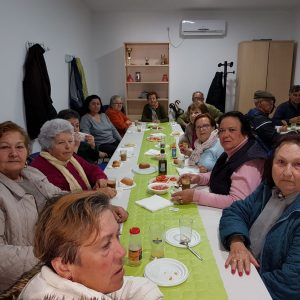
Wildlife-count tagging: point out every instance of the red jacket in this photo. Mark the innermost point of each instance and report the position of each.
(118, 119)
(93, 172)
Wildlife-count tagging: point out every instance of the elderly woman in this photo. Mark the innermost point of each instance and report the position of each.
(153, 111)
(237, 172)
(264, 229)
(86, 262)
(94, 122)
(60, 164)
(84, 143)
(23, 193)
(187, 140)
(116, 115)
(207, 146)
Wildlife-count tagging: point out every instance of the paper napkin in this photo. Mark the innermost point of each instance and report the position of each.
(152, 152)
(154, 203)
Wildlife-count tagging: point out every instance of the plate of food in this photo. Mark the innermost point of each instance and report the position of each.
(170, 179)
(176, 133)
(144, 168)
(116, 164)
(153, 138)
(166, 272)
(129, 145)
(126, 183)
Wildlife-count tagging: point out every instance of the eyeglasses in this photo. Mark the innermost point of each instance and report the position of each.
(198, 98)
(230, 130)
(204, 127)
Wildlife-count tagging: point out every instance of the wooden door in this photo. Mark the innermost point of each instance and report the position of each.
(280, 69)
(252, 69)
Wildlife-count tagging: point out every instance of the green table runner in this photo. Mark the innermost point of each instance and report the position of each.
(204, 281)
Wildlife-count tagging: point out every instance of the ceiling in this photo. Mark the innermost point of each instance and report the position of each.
(168, 5)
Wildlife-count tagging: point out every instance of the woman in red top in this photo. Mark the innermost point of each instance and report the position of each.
(116, 115)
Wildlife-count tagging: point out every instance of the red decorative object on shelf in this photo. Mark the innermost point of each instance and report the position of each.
(165, 78)
(129, 78)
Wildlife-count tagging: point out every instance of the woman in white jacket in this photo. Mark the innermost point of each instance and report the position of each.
(77, 238)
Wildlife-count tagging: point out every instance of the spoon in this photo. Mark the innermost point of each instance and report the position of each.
(186, 243)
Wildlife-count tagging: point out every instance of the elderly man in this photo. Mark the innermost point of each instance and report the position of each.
(199, 97)
(289, 111)
(116, 115)
(260, 121)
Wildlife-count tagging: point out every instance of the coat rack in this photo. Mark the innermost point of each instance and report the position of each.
(225, 72)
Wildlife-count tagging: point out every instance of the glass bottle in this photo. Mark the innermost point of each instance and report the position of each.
(174, 150)
(135, 247)
(162, 163)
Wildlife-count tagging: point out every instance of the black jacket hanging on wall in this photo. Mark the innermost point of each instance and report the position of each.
(37, 91)
(76, 92)
(216, 92)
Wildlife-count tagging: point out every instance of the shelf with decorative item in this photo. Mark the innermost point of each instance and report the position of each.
(147, 82)
(146, 66)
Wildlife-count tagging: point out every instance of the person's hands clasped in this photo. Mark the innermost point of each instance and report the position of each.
(183, 197)
(240, 258)
(120, 214)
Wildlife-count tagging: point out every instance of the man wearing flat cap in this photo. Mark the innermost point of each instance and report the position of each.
(259, 118)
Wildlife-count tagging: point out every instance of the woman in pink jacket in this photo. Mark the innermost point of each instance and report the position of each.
(237, 172)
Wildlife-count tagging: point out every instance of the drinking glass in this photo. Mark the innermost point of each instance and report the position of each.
(185, 228)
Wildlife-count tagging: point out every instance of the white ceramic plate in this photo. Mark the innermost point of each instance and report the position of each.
(129, 145)
(158, 134)
(126, 187)
(149, 170)
(166, 272)
(173, 238)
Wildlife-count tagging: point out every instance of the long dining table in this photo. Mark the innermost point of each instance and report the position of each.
(207, 279)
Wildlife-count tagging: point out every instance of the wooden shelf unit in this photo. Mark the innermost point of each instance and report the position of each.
(151, 76)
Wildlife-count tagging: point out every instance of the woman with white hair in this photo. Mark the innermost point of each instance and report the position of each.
(60, 164)
(116, 114)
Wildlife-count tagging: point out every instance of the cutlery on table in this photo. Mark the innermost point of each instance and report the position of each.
(186, 243)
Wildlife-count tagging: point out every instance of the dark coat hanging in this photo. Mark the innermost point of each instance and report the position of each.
(37, 91)
(75, 88)
(216, 92)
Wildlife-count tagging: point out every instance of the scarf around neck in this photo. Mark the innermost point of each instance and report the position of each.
(61, 167)
(201, 147)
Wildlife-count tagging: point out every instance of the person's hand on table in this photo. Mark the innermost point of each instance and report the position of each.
(100, 183)
(120, 214)
(240, 258)
(186, 151)
(294, 120)
(203, 169)
(183, 197)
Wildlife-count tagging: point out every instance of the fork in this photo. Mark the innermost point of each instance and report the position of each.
(186, 243)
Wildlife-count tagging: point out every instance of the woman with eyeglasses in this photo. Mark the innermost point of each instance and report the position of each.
(207, 145)
(116, 114)
(237, 172)
(187, 140)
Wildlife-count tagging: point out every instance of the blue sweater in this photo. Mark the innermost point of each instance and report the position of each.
(285, 111)
(280, 256)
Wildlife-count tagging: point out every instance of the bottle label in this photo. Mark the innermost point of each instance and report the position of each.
(173, 152)
(135, 255)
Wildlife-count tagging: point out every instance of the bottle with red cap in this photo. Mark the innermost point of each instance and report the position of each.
(135, 247)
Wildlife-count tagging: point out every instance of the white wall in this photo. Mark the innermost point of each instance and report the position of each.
(192, 64)
(63, 25)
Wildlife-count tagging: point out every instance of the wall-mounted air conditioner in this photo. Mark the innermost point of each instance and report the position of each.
(203, 27)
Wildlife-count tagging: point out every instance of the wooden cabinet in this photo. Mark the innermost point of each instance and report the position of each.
(146, 70)
(263, 65)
